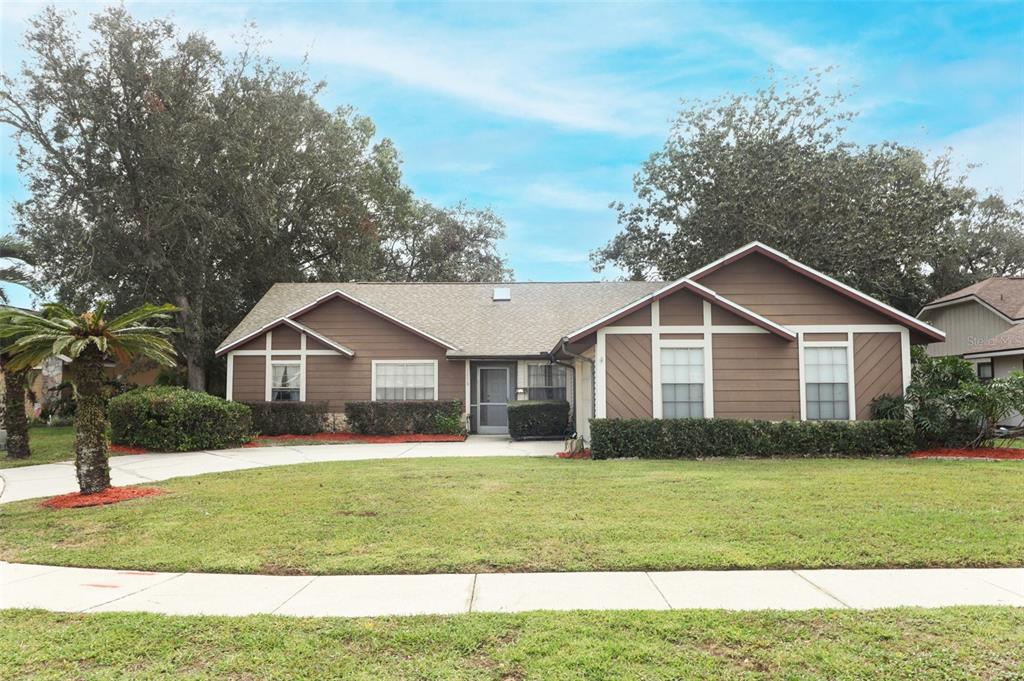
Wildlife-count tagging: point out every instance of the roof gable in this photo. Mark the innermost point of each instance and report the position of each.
(749, 290)
(1002, 295)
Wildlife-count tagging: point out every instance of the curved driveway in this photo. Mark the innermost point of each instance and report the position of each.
(45, 480)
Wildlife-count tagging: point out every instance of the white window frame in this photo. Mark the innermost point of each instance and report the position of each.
(565, 369)
(851, 389)
(682, 344)
(299, 364)
(373, 375)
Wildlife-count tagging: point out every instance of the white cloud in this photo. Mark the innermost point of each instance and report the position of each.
(564, 196)
(998, 145)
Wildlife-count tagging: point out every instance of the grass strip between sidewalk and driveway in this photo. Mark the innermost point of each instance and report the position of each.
(947, 644)
(520, 514)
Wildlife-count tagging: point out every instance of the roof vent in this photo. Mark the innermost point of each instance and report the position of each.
(502, 293)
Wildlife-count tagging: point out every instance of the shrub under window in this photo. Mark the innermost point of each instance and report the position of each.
(169, 419)
(407, 417)
(692, 438)
(288, 418)
(538, 418)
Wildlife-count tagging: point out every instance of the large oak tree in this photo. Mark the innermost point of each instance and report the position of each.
(159, 169)
(777, 166)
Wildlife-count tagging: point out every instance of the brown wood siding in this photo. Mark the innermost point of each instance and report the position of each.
(257, 343)
(682, 336)
(722, 317)
(628, 376)
(314, 344)
(250, 373)
(756, 376)
(641, 317)
(682, 308)
(285, 338)
(785, 296)
(373, 337)
(878, 368)
(825, 337)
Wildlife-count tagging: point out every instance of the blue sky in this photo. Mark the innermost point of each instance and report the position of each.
(545, 111)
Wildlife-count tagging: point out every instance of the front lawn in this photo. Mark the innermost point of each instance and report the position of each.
(951, 643)
(47, 445)
(518, 514)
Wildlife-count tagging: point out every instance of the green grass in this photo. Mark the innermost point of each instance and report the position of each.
(948, 644)
(514, 514)
(47, 445)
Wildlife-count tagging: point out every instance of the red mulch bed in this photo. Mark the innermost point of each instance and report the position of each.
(1002, 453)
(125, 449)
(111, 495)
(582, 454)
(353, 437)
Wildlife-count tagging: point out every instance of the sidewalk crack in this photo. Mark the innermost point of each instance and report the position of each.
(658, 589)
(472, 594)
(297, 592)
(822, 589)
(133, 593)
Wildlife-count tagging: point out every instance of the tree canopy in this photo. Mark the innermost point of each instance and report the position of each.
(159, 168)
(777, 166)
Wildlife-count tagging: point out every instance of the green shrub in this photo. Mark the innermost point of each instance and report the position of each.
(288, 418)
(692, 438)
(397, 418)
(167, 419)
(891, 407)
(538, 418)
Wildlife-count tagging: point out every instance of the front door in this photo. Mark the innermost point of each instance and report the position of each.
(492, 399)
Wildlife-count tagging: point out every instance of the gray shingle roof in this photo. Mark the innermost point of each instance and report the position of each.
(463, 315)
(1005, 294)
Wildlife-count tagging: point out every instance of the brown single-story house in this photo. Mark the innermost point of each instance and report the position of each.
(984, 323)
(754, 335)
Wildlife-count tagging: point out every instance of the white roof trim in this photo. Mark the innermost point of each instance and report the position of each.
(994, 353)
(323, 339)
(970, 297)
(799, 265)
(336, 292)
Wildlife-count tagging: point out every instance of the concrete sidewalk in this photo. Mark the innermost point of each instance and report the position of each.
(46, 480)
(88, 590)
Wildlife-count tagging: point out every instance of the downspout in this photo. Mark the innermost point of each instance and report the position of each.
(564, 347)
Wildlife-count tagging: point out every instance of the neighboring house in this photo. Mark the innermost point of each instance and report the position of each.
(984, 323)
(752, 335)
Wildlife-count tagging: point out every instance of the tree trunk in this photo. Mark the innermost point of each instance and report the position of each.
(191, 326)
(91, 464)
(15, 421)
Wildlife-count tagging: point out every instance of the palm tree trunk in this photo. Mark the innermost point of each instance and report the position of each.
(91, 464)
(15, 421)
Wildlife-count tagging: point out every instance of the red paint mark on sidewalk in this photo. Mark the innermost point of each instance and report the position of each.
(104, 586)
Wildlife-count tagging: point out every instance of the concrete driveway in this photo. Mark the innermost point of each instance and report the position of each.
(45, 480)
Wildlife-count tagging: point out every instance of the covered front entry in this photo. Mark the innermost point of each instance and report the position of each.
(493, 386)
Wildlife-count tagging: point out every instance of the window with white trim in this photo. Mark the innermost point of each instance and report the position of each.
(826, 380)
(398, 381)
(545, 382)
(287, 381)
(682, 383)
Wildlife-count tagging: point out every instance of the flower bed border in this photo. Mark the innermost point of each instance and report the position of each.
(111, 495)
(991, 453)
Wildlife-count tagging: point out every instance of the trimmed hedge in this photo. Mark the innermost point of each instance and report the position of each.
(538, 418)
(168, 419)
(400, 418)
(692, 438)
(288, 418)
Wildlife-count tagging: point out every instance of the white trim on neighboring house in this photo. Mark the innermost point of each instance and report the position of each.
(373, 373)
(796, 264)
(994, 353)
(968, 299)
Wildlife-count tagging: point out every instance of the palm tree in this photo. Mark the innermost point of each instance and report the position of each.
(88, 339)
(14, 420)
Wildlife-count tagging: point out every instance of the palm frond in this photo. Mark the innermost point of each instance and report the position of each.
(139, 314)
